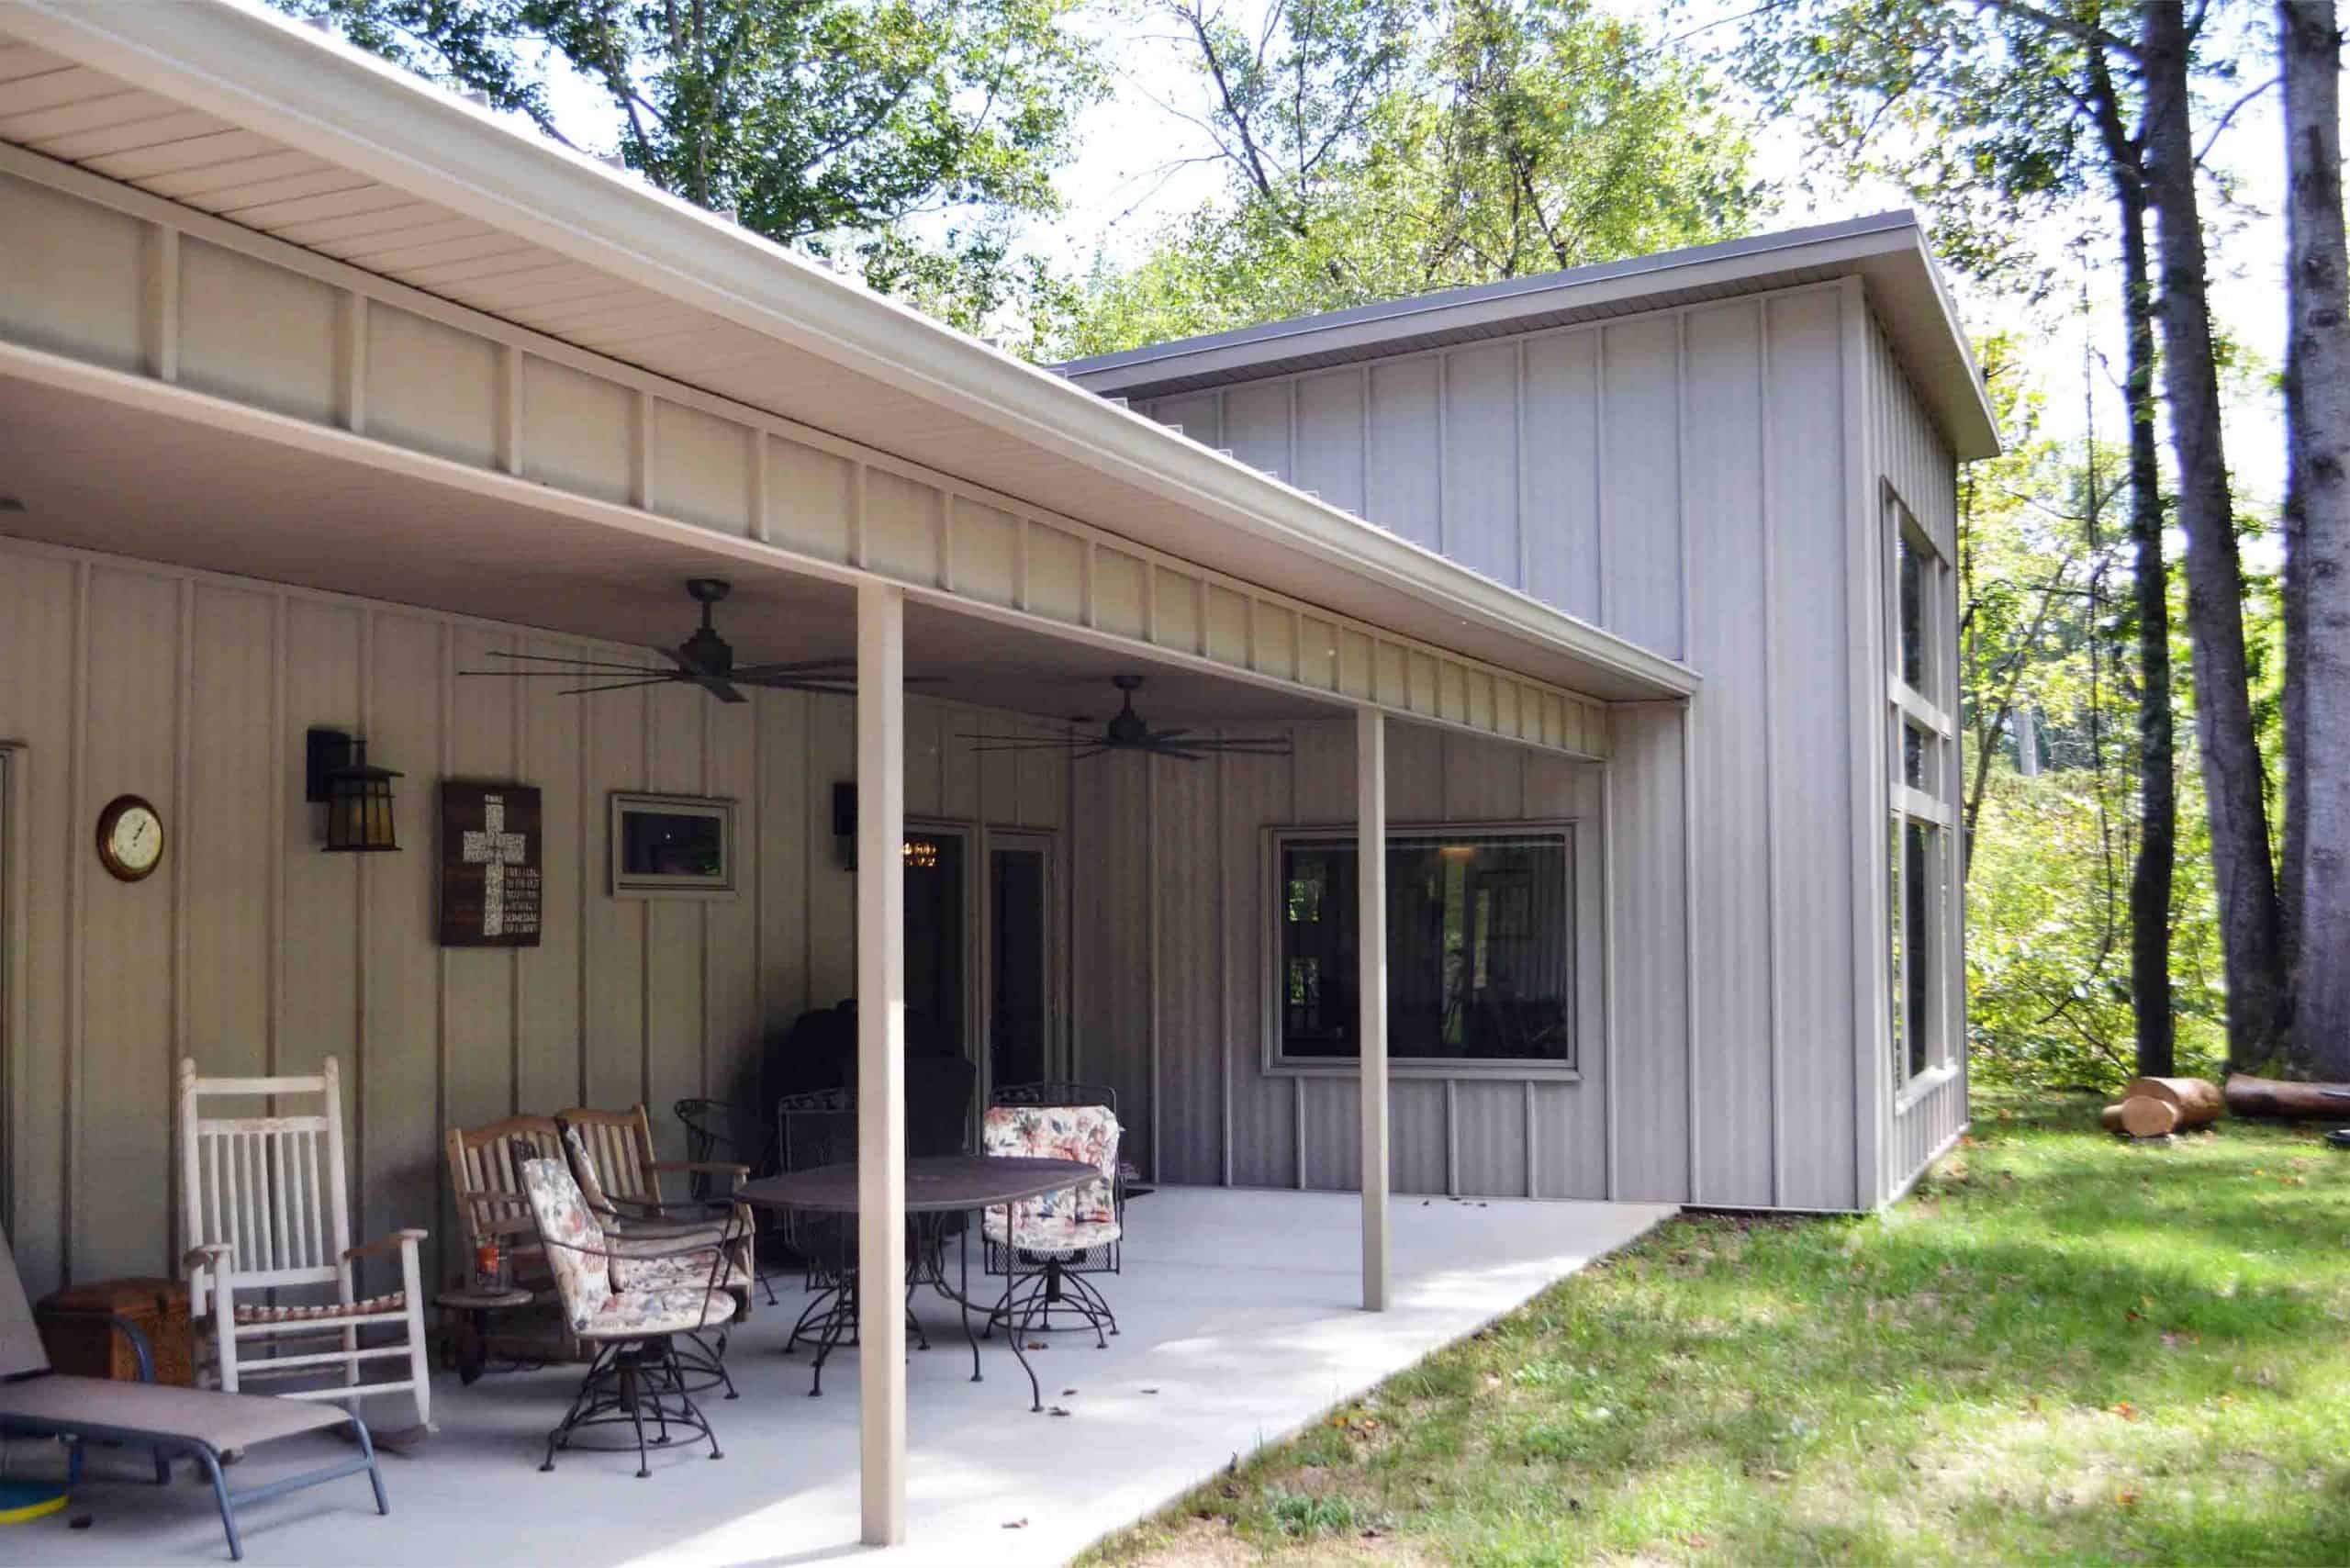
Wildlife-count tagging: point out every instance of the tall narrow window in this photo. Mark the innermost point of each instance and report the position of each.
(1922, 784)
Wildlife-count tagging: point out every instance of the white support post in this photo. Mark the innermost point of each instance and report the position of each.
(1370, 876)
(881, 1059)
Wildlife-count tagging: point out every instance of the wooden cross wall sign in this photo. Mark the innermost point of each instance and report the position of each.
(489, 865)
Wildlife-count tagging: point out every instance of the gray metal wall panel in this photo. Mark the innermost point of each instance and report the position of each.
(1481, 471)
(256, 954)
(1811, 734)
(1202, 962)
(1649, 992)
(1255, 421)
(1641, 504)
(1734, 935)
(1329, 437)
(1562, 471)
(1405, 472)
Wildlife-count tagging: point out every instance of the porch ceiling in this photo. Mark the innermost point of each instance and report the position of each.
(97, 475)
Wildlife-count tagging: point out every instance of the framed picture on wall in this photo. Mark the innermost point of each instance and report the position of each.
(678, 846)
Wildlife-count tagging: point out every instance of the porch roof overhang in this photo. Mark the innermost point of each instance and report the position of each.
(231, 110)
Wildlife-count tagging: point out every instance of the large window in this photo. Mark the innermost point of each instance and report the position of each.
(1922, 784)
(1479, 946)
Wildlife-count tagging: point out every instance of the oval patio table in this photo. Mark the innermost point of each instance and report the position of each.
(937, 1186)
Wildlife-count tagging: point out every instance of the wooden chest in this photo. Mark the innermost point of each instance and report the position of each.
(80, 1339)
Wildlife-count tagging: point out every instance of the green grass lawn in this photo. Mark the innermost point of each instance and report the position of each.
(2061, 1347)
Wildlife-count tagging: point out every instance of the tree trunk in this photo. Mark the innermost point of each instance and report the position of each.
(2197, 1101)
(2317, 542)
(2152, 874)
(2249, 932)
(2249, 1096)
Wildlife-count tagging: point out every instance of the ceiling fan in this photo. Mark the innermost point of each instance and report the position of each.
(704, 659)
(1127, 732)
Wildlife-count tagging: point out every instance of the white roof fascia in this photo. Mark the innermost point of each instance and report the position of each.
(283, 79)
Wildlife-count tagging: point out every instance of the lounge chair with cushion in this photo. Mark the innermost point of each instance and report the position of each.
(202, 1423)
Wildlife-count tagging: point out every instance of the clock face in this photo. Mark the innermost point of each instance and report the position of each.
(130, 838)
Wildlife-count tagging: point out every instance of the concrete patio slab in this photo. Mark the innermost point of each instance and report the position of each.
(1240, 1325)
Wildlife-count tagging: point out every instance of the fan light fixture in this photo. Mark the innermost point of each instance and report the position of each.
(1127, 732)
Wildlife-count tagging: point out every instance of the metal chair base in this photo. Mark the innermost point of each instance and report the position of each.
(1032, 1302)
(630, 1383)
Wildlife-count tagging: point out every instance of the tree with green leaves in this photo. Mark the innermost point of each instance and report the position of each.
(904, 134)
(1379, 149)
(2001, 118)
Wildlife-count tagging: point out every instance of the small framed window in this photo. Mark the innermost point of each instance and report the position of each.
(1483, 933)
(672, 847)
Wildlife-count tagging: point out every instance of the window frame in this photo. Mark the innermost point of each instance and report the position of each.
(1927, 712)
(1584, 955)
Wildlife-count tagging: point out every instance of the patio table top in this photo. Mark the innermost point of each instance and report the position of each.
(935, 1183)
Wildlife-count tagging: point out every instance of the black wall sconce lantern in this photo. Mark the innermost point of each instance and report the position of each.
(358, 798)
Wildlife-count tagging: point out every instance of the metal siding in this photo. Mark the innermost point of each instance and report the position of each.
(1641, 503)
(1811, 734)
(1562, 471)
(1256, 421)
(1914, 461)
(256, 953)
(1650, 991)
(1405, 487)
(1187, 969)
(1481, 466)
(1329, 438)
(1734, 934)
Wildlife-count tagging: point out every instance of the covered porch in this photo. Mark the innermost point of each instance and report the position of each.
(1242, 1322)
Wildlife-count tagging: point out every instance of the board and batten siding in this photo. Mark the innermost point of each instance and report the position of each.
(253, 950)
(1171, 968)
(1914, 464)
(1686, 477)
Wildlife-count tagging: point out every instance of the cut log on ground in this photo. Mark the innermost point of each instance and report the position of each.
(2199, 1102)
(2111, 1118)
(2145, 1117)
(2250, 1096)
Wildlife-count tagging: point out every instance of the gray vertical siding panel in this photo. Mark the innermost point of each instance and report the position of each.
(1652, 987)
(1734, 933)
(1264, 1119)
(1329, 438)
(1187, 970)
(1255, 421)
(1489, 1133)
(1560, 514)
(1570, 1121)
(1811, 734)
(1405, 465)
(1111, 958)
(1481, 460)
(1641, 521)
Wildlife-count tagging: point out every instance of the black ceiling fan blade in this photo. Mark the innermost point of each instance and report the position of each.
(1156, 736)
(990, 743)
(551, 659)
(1089, 751)
(589, 672)
(660, 679)
(1279, 744)
(791, 667)
(1177, 753)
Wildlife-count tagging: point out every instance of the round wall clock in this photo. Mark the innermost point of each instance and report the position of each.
(130, 837)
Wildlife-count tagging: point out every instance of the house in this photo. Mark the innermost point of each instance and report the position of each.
(1594, 633)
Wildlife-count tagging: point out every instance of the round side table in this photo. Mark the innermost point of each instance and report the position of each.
(474, 1309)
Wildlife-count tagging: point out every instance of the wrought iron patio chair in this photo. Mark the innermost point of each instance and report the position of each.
(263, 1206)
(612, 1158)
(631, 1299)
(1048, 1247)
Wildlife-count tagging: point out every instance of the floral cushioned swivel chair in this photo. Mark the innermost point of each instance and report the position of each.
(630, 1299)
(1062, 1236)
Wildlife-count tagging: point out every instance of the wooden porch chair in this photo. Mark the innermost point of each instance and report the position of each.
(263, 1207)
(486, 1176)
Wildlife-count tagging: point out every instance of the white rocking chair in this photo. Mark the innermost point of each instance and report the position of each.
(262, 1208)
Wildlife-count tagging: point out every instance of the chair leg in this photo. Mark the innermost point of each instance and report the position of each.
(637, 1418)
(211, 1462)
(375, 1477)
